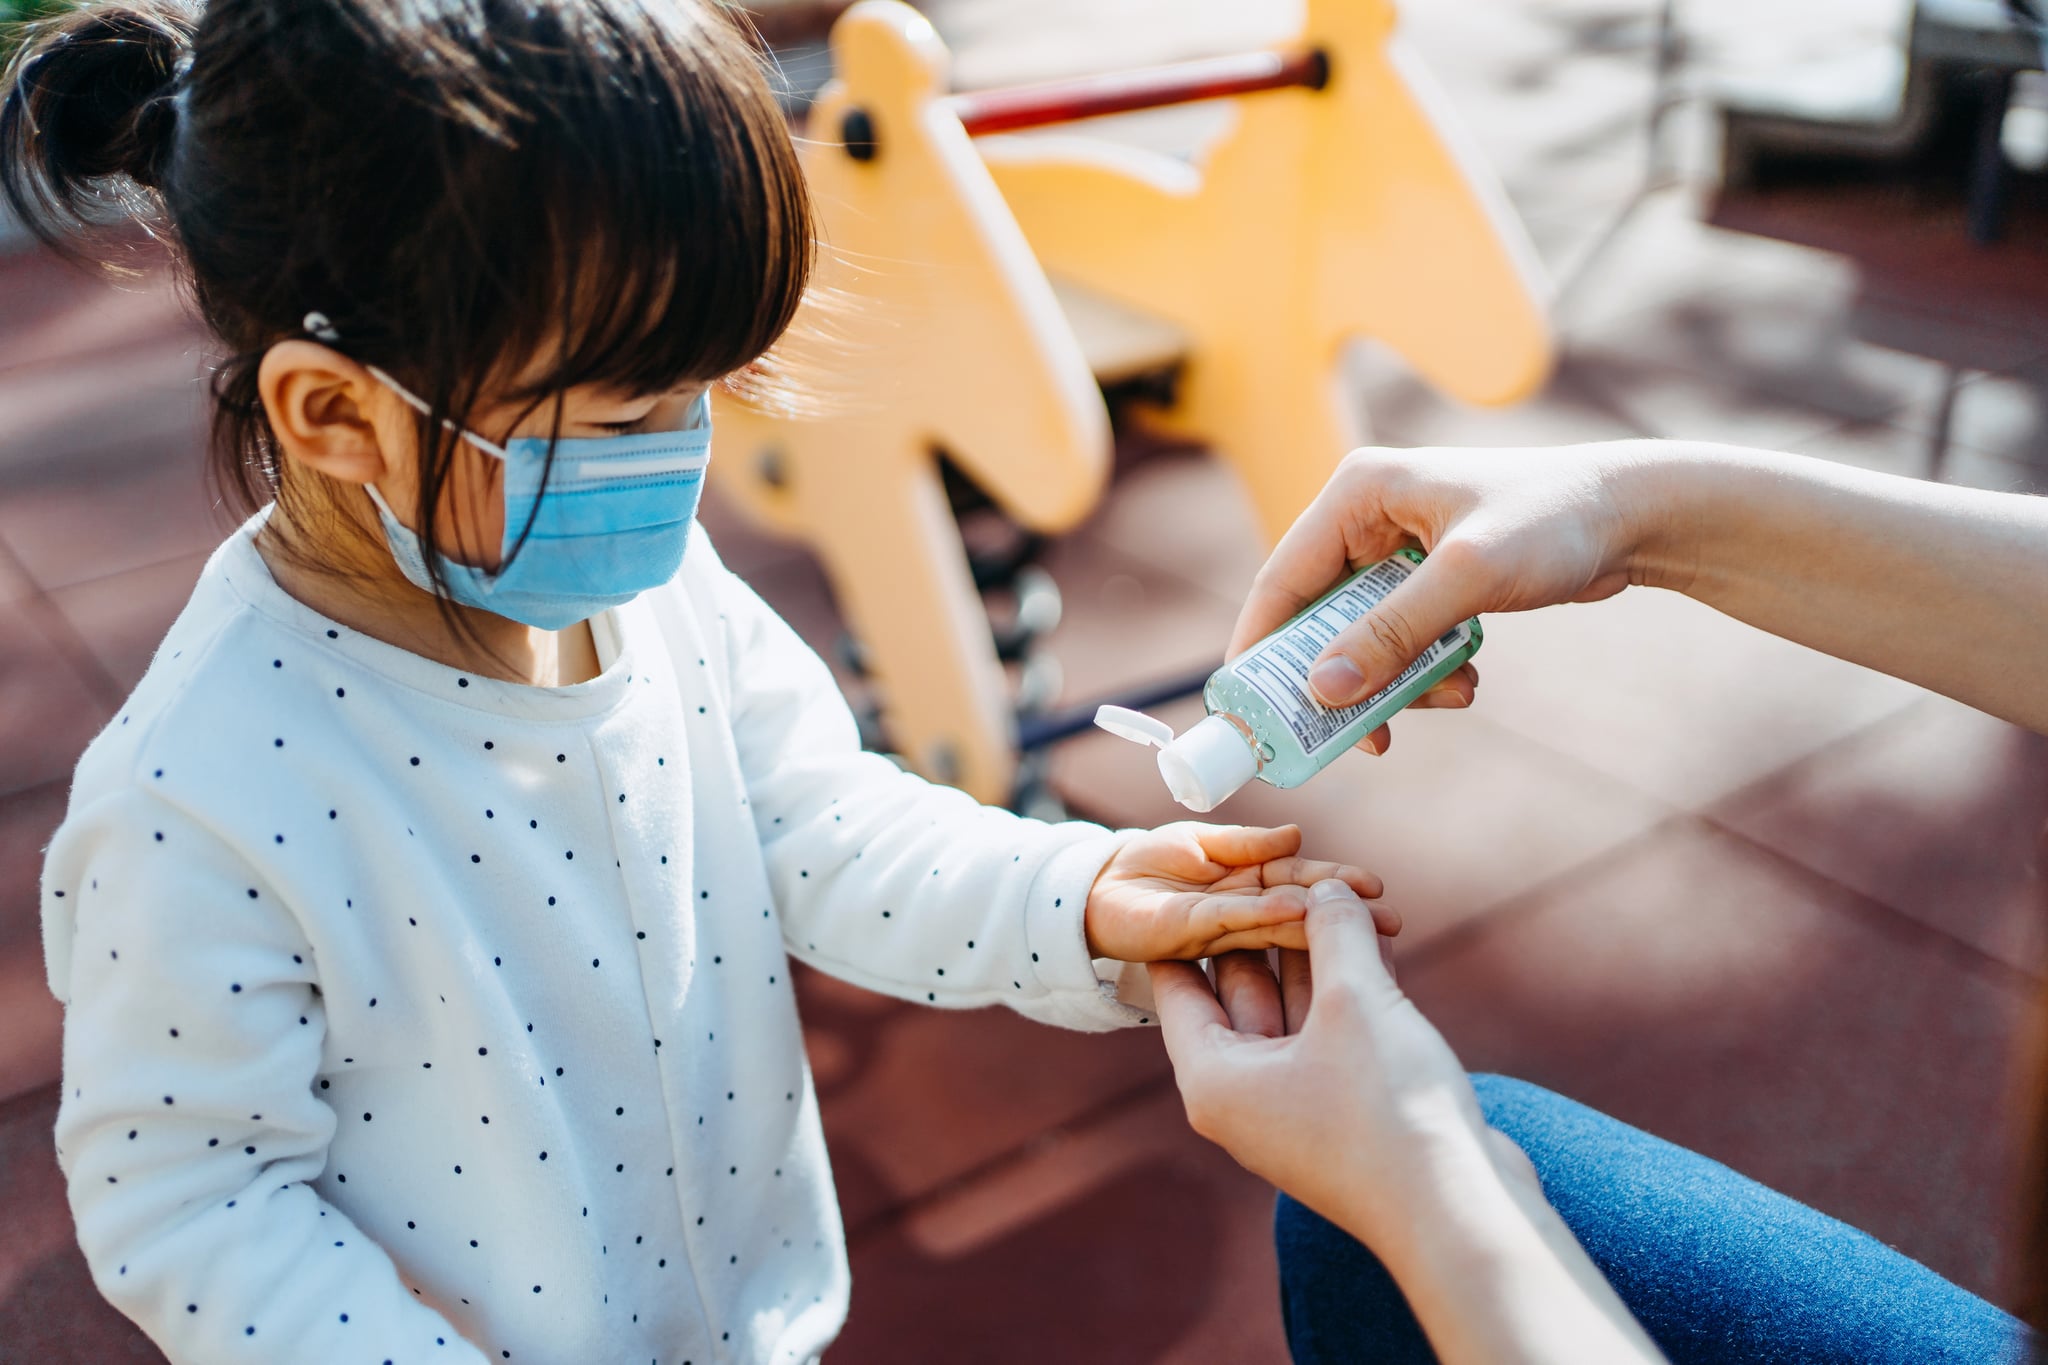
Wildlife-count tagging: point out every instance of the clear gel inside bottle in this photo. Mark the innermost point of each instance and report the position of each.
(1264, 722)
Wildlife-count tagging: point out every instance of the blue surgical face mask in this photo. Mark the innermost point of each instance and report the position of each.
(609, 521)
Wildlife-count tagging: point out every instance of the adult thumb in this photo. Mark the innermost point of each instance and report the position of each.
(1343, 944)
(1371, 652)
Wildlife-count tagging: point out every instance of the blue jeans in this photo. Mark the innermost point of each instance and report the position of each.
(1716, 1267)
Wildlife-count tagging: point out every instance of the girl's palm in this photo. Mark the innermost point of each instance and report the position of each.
(1191, 890)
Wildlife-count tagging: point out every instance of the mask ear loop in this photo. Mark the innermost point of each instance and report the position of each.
(320, 329)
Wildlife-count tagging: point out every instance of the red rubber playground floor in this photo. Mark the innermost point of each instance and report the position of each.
(1766, 904)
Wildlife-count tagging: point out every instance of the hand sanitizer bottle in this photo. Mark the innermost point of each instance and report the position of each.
(1263, 720)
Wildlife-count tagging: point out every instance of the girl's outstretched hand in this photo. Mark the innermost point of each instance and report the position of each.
(1191, 890)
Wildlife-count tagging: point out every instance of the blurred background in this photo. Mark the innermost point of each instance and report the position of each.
(1760, 902)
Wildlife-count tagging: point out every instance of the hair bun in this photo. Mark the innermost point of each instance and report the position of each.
(93, 96)
(152, 136)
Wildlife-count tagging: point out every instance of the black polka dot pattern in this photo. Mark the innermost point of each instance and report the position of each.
(439, 904)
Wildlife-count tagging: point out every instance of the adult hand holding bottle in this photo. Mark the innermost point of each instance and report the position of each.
(1946, 587)
(1355, 1106)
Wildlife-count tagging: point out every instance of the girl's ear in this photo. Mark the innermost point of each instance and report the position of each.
(320, 405)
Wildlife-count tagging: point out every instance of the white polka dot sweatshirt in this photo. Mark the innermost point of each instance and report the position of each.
(414, 1016)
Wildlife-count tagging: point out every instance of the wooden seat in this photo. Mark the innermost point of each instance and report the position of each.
(1119, 342)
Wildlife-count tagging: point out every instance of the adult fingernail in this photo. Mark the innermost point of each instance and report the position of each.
(1336, 680)
(1330, 889)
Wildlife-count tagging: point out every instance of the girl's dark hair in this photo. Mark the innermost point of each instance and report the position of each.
(460, 186)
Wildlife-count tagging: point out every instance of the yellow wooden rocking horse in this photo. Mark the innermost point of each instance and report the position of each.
(1339, 207)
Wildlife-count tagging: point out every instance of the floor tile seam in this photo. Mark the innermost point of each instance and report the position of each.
(1828, 420)
(1947, 446)
(1941, 441)
(130, 343)
(2027, 336)
(53, 590)
(62, 636)
(1851, 427)
(1613, 397)
(1482, 921)
(1916, 933)
(17, 585)
(1594, 395)
(1668, 181)
(1593, 349)
(14, 793)
(1959, 312)
(186, 437)
(23, 1102)
(54, 785)
(2019, 465)
(1103, 1111)
(1951, 441)
(1709, 812)
(1910, 929)
(1556, 757)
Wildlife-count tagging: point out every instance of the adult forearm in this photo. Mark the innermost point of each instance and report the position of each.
(1494, 1275)
(1946, 587)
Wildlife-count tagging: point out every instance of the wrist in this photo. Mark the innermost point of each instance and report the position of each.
(1416, 1187)
(1665, 494)
(1651, 492)
(1492, 1272)
(1440, 1195)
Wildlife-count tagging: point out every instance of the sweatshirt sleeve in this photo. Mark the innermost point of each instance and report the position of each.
(189, 1127)
(898, 884)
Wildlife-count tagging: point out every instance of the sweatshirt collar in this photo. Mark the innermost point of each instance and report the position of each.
(617, 633)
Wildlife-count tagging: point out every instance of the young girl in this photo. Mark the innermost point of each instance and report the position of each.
(424, 918)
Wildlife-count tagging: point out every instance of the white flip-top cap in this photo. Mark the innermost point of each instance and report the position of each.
(1135, 726)
(1206, 766)
(1203, 767)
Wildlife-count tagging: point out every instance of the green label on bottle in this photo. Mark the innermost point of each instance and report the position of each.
(1277, 667)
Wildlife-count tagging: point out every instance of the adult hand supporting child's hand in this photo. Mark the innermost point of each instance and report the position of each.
(1191, 890)
(1335, 1088)
(1328, 1082)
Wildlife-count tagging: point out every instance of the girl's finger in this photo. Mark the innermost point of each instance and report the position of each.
(1246, 845)
(1210, 917)
(1309, 871)
(1291, 935)
(1249, 994)
(1297, 988)
(1377, 742)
